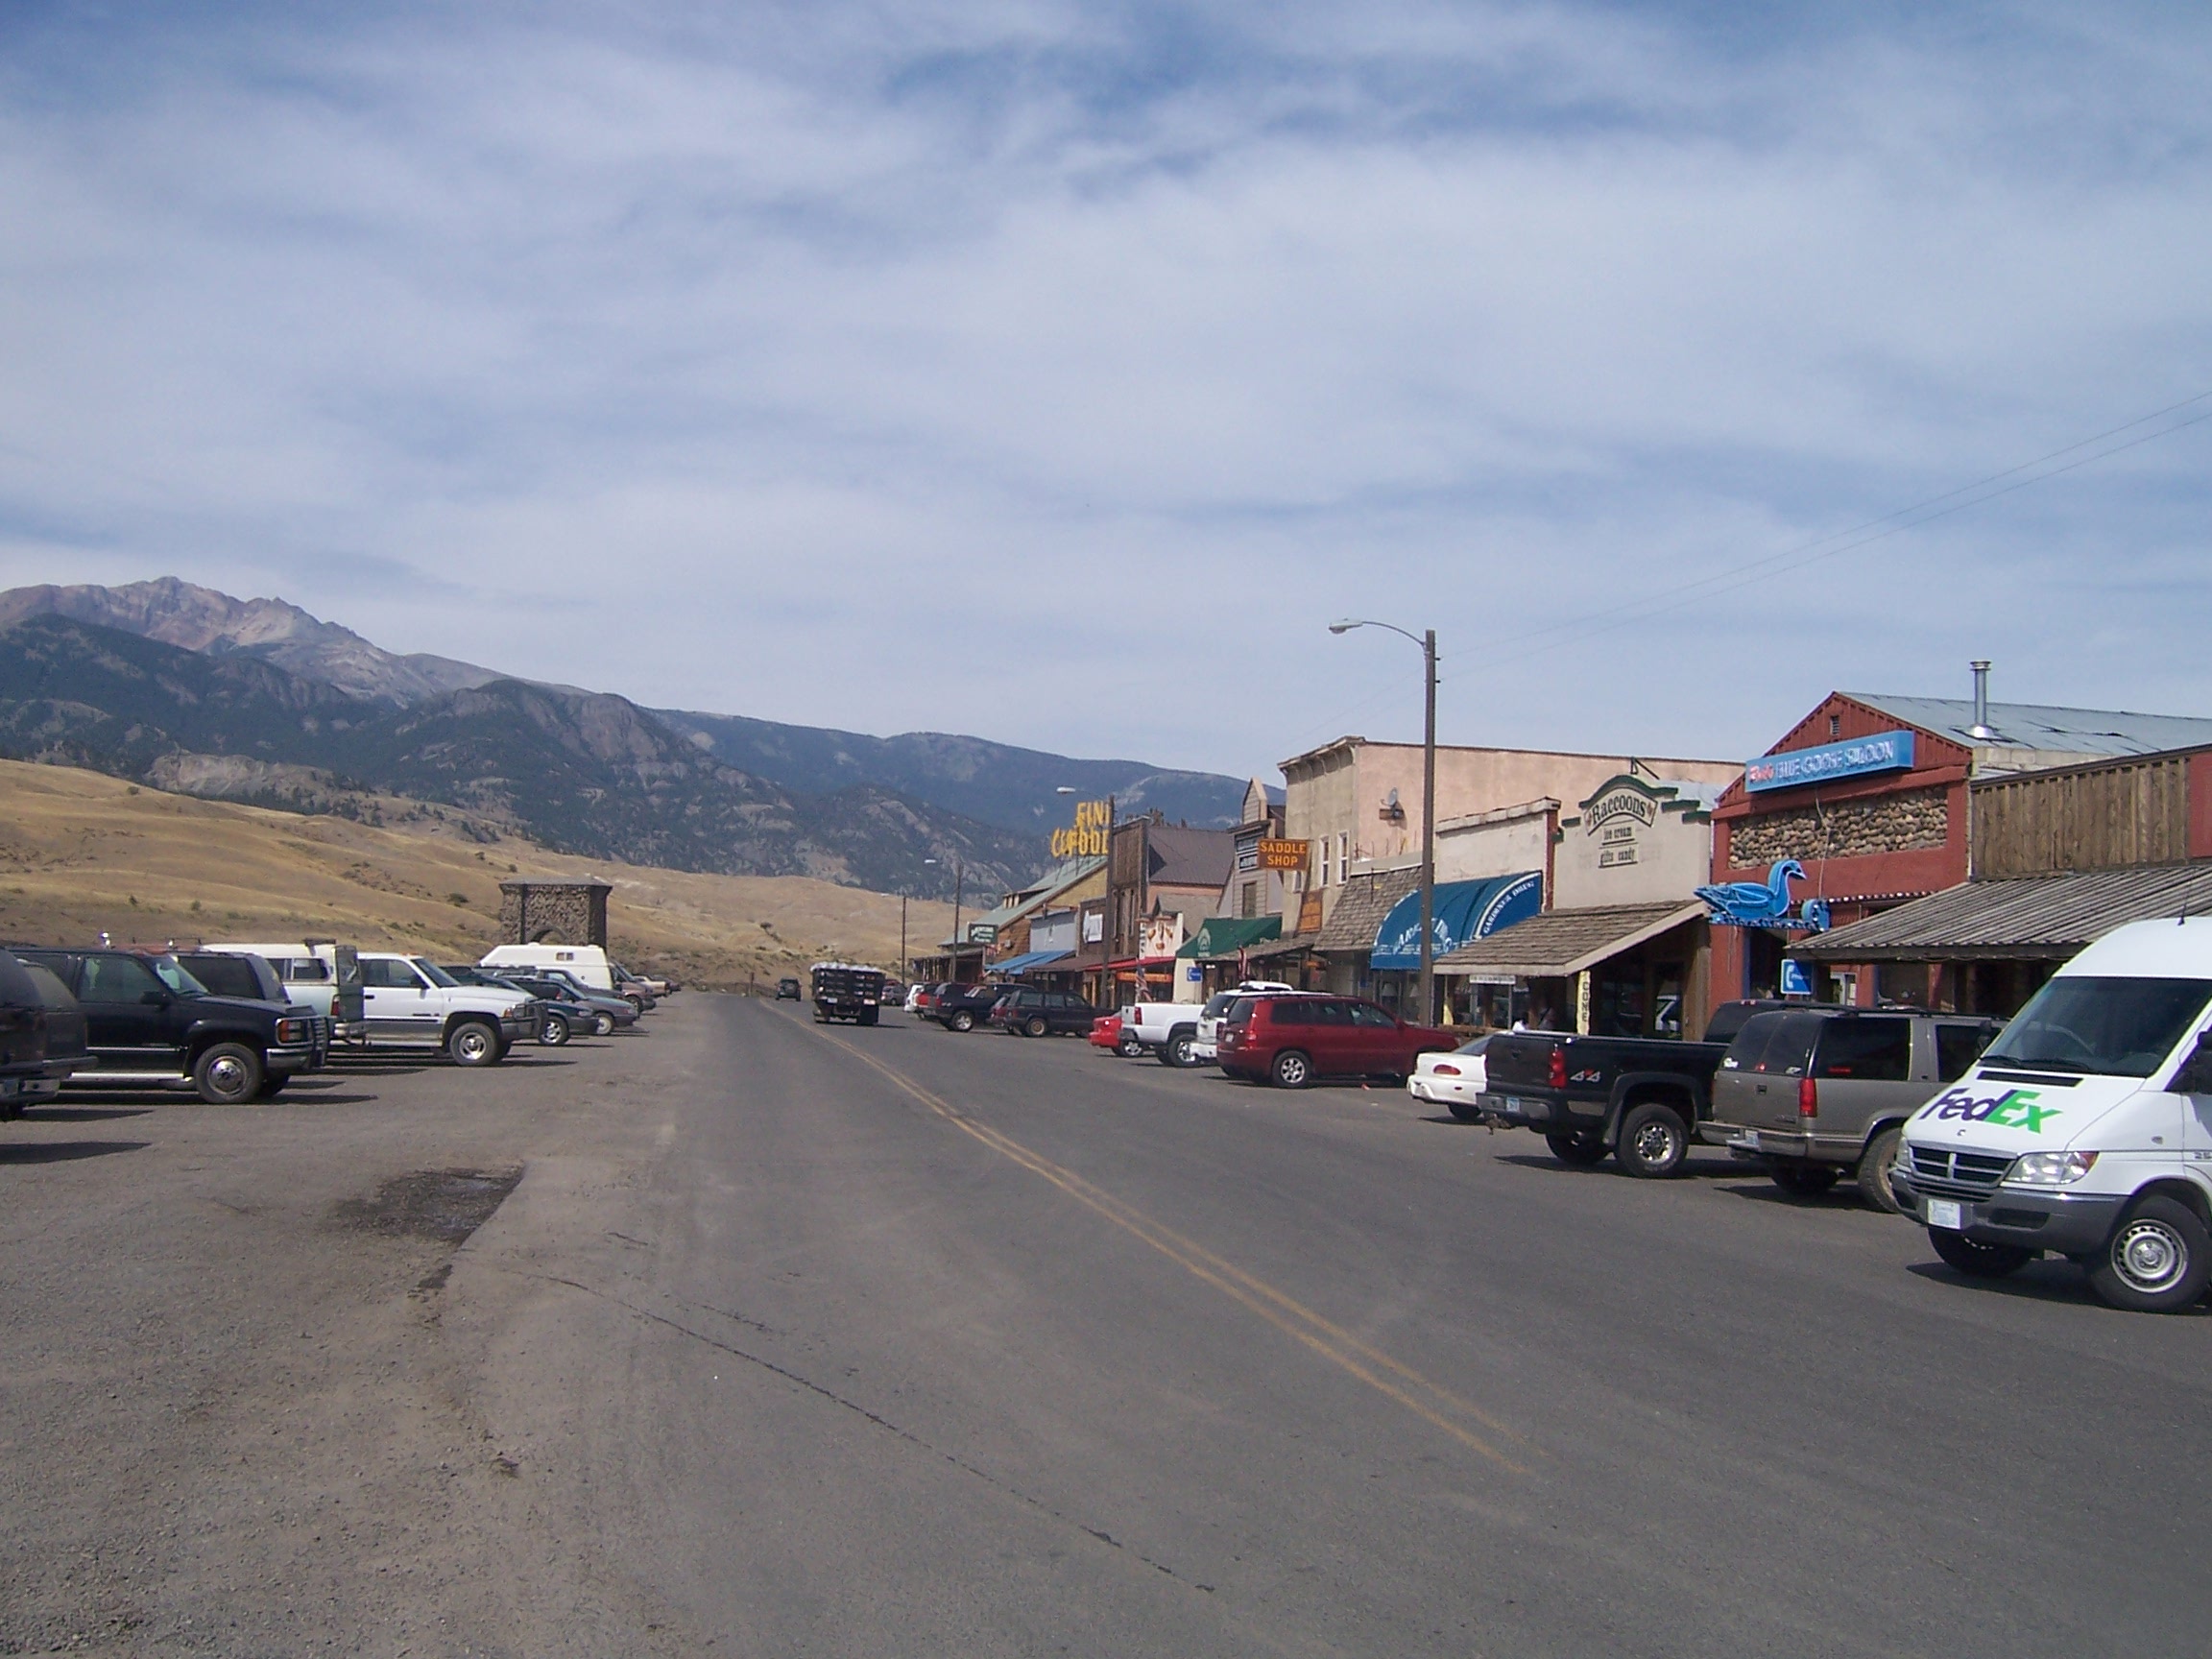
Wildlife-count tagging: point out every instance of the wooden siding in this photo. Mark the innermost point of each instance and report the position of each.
(2109, 816)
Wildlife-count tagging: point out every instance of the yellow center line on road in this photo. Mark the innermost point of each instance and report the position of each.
(1431, 1402)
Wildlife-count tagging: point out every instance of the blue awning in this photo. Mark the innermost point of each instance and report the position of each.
(1028, 960)
(1465, 911)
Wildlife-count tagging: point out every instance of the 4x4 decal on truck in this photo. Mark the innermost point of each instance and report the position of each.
(2014, 1108)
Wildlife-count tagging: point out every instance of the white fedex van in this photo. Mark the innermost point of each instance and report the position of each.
(2086, 1129)
(587, 962)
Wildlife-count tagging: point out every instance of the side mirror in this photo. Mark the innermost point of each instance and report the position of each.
(2196, 1074)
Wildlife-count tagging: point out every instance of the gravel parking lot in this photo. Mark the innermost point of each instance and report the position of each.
(745, 1334)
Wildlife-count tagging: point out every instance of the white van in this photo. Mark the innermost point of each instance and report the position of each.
(320, 973)
(587, 962)
(2086, 1129)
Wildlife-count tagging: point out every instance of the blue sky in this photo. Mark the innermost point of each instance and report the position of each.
(1056, 373)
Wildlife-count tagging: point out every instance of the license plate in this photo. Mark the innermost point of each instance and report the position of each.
(1948, 1213)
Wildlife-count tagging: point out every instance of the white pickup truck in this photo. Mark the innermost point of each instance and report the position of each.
(411, 1003)
(2086, 1129)
(1181, 1033)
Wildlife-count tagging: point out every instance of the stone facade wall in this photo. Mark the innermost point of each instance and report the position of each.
(554, 913)
(1918, 819)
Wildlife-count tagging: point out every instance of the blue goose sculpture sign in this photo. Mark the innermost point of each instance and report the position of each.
(1751, 904)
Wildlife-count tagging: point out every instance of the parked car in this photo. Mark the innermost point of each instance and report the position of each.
(1204, 1046)
(2086, 1129)
(1291, 1040)
(624, 1010)
(1026, 1012)
(787, 991)
(558, 1020)
(601, 1014)
(1106, 1032)
(917, 996)
(251, 979)
(1641, 1099)
(42, 1035)
(150, 1024)
(1167, 1030)
(1819, 1095)
(414, 1003)
(1453, 1080)
(963, 1008)
(648, 985)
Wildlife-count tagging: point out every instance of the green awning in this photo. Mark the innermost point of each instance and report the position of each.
(1220, 937)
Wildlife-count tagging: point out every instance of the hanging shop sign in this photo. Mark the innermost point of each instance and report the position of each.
(1282, 854)
(982, 932)
(1086, 838)
(1752, 905)
(1853, 758)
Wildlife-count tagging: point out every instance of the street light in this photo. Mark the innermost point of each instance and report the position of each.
(1106, 916)
(1426, 640)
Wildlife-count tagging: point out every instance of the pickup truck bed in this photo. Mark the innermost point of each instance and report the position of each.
(1641, 1099)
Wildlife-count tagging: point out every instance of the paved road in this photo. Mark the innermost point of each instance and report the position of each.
(829, 1340)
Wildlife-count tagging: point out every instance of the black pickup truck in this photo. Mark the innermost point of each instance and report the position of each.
(150, 1023)
(1639, 1098)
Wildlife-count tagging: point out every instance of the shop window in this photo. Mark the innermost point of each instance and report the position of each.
(1248, 900)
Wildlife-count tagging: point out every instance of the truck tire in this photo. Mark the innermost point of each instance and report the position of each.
(1653, 1140)
(1875, 1190)
(272, 1085)
(228, 1074)
(2157, 1260)
(553, 1031)
(1129, 1049)
(1037, 1026)
(1804, 1180)
(473, 1043)
(1291, 1070)
(1584, 1151)
(962, 1021)
(1176, 1050)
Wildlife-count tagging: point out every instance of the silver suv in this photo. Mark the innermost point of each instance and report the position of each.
(1817, 1096)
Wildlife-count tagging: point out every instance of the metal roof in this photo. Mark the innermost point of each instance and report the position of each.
(1557, 942)
(2019, 917)
(2034, 726)
(1368, 899)
(1179, 857)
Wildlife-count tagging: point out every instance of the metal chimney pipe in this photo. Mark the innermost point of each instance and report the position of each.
(1980, 727)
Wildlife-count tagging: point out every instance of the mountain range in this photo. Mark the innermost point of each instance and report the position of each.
(257, 700)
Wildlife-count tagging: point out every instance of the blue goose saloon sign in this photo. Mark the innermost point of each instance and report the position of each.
(1853, 758)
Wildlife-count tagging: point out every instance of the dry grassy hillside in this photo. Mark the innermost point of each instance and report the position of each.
(83, 853)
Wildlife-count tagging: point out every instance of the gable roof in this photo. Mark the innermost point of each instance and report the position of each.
(1181, 857)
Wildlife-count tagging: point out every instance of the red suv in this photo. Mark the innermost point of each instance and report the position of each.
(1292, 1040)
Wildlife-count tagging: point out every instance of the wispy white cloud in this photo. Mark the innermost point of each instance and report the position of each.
(1055, 371)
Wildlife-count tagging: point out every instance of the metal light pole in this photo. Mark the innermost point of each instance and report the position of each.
(1426, 640)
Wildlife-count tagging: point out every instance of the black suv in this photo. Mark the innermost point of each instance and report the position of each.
(150, 1023)
(41, 1036)
(963, 1007)
(1030, 1013)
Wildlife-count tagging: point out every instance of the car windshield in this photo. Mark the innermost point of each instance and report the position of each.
(2110, 1027)
(436, 975)
(172, 974)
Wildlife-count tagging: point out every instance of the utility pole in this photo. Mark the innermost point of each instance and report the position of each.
(1426, 640)
(959, 883)
(1106, 921)
(903, 968)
